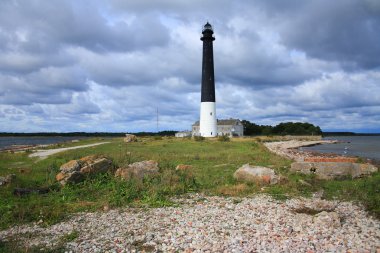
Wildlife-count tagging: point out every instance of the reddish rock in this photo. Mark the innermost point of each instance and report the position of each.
(76, 170)
(256, 174)
(73, 165)
(60, 176)
(138, 170)
(266, 178)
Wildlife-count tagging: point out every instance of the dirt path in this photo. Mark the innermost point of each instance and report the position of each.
(45, 153)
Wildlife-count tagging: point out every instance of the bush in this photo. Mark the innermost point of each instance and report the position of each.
(199, 138)
(223, 138)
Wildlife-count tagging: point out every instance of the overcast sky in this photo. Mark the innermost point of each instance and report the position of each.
(91, 65)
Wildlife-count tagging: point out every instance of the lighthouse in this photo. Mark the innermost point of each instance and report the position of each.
(207, 123)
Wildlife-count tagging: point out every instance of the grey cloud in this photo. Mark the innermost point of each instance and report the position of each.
(347, 31)
(39, 27)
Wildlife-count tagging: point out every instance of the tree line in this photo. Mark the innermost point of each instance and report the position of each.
(287, 128)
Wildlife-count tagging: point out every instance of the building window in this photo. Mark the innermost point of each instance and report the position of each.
(211, 113)
(211, 133)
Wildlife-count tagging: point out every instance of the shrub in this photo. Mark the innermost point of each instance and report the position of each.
(223, 138)
(199, 138)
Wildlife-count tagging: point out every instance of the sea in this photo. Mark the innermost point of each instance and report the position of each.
(6, 142)
(362, 146)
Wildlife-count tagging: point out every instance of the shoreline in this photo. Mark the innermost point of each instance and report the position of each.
(290, 149)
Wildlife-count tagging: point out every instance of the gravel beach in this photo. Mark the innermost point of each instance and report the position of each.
(214, 224)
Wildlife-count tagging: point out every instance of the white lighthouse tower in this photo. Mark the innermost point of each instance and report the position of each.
(207, 123)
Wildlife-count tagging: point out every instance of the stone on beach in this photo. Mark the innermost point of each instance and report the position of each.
(256, 174)
(327, 220)
(310, 206)
(138, 170)
(75, 171)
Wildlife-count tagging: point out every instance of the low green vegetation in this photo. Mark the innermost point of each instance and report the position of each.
(213, 164)
(223, 138)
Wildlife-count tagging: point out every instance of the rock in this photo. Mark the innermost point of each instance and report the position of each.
(138, 170)
(3, 181)
(60, 176)
(327, 220)
(318, 194)
(130, 138)
(99, 165)
(256, 174)
(183, 167)
(70, 166)
(333, 170)
(360, 169)
(311, 206)
(7, 179)
(75, 171)
(73, 177)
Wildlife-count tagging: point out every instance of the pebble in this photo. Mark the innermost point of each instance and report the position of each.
(211, 224)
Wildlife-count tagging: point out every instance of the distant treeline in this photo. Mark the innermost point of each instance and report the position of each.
(84, 134)
(287, 128)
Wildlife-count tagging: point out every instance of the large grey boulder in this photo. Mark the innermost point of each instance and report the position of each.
(333, 170)
(256, 174)
(75, 171)
(138, 170)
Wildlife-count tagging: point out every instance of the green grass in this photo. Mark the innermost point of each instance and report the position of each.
(214, 163)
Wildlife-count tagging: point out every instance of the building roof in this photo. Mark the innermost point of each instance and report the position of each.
(222, 122)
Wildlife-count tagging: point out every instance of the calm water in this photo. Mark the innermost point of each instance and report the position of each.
(363, 146)
(9, 141)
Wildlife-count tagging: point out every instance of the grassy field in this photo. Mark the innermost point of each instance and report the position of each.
(213, 161)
